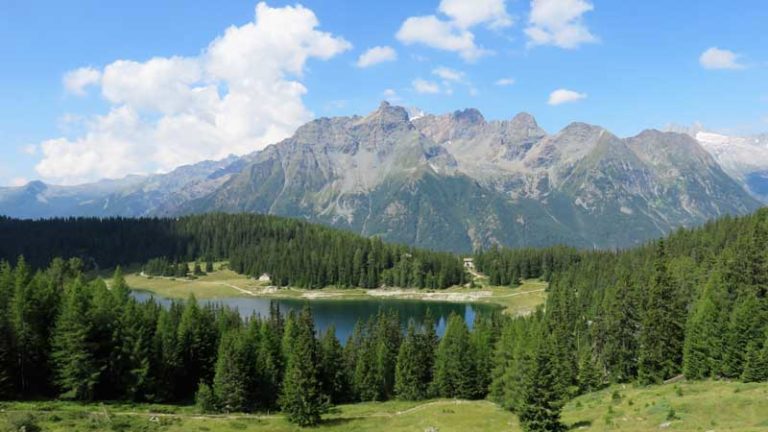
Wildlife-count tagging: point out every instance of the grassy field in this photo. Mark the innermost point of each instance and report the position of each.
(226, 283)
(700, 406)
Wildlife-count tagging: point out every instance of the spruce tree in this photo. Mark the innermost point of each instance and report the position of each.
(301, 398)
(455, 364)
(410, 374)
(332, 369)
(230, 384)
(746, 327)
(755, 364)
(76, 370)
(618, 327)
(542, 402)
(705, 332)
(661, 335)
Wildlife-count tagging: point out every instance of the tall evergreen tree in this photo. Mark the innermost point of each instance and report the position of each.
(411, 375)
(230, 383)
(661, 335)
(77, 372)
(455, 362)
(542, 402)
(705, 331)
(332, 369)
(746, 327)
(301, 398)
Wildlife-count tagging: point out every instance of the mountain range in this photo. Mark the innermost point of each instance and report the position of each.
(454, 182)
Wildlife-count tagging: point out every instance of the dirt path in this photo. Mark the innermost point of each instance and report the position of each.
(519, 293)
(103, 410)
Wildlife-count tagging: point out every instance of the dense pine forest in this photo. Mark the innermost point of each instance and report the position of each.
(694, 304)
(293, 253)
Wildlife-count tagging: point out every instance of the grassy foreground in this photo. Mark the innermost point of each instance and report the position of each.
(226, 283)
(699, 406)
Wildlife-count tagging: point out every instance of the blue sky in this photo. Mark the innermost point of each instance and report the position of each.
(625, 65)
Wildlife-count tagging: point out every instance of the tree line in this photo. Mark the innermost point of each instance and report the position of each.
(694, 304)
(292, 252)
(67, 336)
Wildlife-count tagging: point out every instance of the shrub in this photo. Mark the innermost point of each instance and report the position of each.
(204, 399)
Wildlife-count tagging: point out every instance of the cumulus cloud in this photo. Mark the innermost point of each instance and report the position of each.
(239, 95)
(76, 81)
(716, 58)
(448, 74)
(559, 23)
(466, 14)
(435, 33)
(562, 96)
(376, 55)
(452, 31)
(425, 87)
(505, 82)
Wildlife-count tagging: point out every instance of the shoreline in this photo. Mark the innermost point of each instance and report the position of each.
(521, 300)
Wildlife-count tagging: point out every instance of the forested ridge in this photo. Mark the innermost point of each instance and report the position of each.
(693, 304)
(294, 253)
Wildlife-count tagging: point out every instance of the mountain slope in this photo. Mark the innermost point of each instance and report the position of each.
(454, 182)
(458, 182)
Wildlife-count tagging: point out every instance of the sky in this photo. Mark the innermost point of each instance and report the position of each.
(92, 89)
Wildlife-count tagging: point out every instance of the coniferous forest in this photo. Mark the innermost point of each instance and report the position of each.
(694, 304)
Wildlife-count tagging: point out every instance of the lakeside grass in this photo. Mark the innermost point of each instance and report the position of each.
(223, 283)
(698, 406)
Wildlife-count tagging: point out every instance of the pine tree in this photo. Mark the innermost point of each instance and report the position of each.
(455, 364)
(618, 329)
(482, 345)
(197, 343)
(230, 384)
(410, 374)
(332, 369)
(661, 335)
(705, 332)
(590, 376)
(301, 398)
(746, 326)
(755, 364)
(76, 370)
(542, 402)
(7, 372)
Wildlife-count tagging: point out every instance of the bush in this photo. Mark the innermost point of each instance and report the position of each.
(204, 399)
(23, 423)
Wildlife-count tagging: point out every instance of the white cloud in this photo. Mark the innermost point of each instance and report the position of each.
(716, 58)
(435, 33)
(561, 96)
(452, 32)
(470, 13)
(376, 55)
(76, 81)
(425, 87)
(239, 95)
(559, 23)
(448, 74)
(505, 82)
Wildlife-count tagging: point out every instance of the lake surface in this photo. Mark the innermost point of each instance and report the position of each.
(345, 313)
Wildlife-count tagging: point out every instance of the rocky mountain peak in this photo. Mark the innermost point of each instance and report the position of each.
(524, 119)
(387, 114)
(469, 116)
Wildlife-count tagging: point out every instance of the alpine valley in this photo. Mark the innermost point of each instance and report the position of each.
(452, 182)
